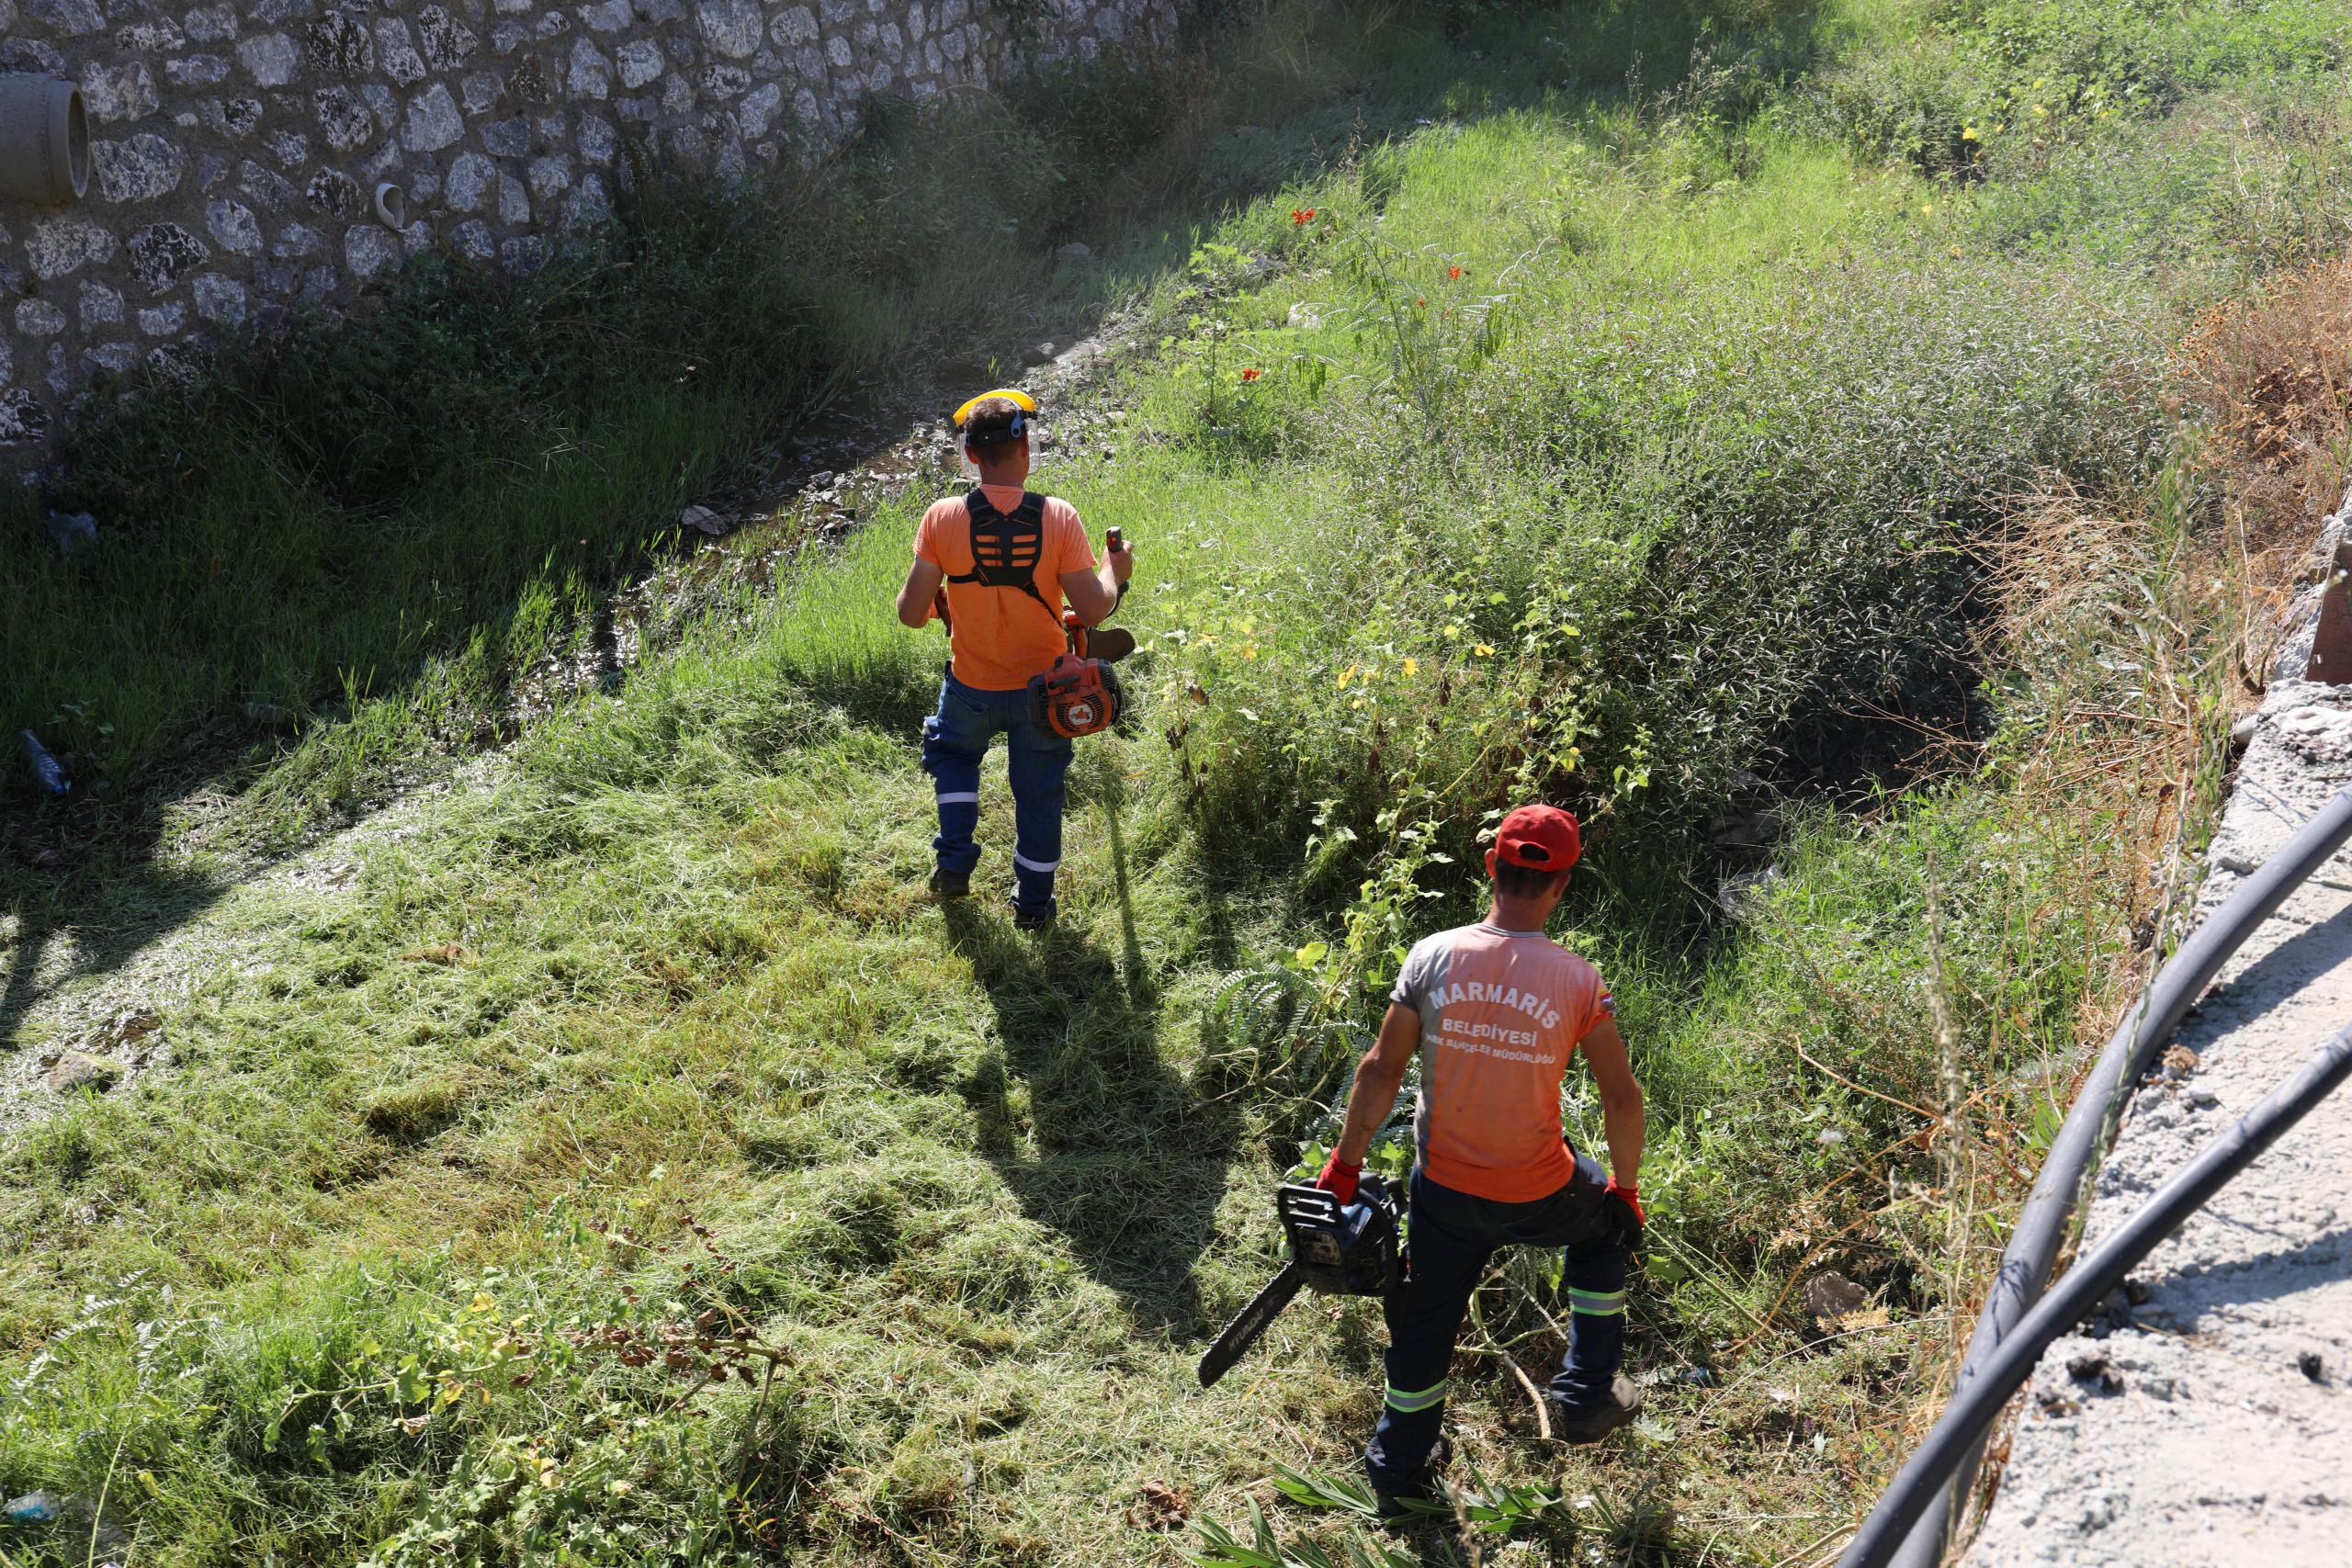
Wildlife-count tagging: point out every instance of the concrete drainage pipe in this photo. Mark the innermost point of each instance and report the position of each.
(44, 141)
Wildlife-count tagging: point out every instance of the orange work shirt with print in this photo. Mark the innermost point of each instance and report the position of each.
(1501, 1013)
(998, 638)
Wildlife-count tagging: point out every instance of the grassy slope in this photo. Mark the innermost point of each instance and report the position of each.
(987, 1194)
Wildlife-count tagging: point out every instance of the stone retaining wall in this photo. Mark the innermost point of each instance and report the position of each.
(237, 148)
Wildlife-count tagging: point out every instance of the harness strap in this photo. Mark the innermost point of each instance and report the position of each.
(1007, 546)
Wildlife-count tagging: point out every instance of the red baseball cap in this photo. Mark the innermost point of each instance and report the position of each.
(1540, 838)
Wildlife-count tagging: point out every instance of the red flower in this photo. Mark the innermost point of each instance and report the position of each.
(1453, 272)
(1302, 216)
(1250, 374)
(1420, 304)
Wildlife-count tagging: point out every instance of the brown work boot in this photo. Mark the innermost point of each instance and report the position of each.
(1110, 644)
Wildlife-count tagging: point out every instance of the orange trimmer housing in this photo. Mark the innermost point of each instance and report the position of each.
(1078, 695)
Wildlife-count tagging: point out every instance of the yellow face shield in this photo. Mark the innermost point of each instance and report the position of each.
(1020, 400)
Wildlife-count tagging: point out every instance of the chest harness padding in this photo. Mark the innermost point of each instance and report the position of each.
(1007, 546)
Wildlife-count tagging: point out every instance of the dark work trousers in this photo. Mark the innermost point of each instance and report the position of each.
(1449, 1239)
(955, 740)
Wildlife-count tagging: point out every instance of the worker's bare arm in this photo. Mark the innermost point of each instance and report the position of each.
(1094, 592)
(1621, 1099)
(1378, 1077)
(915, 599)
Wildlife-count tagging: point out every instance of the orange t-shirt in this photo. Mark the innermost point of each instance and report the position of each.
(1501, 1013)
(1000, 637)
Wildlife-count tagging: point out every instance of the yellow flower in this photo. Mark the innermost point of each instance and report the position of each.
(1250, 651)
(1345, 676)
(1356, 704)
(1927, 209)
(1412, 668)
(1968, 133)
(1454, 630)
(1484, 650)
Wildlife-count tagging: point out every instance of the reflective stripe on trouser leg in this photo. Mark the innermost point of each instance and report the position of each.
(1596, 1280)
(959, 819)
(1037, 765)
(1424, 1317)
(1033, 885)
(954, 741)
(1413, 1403)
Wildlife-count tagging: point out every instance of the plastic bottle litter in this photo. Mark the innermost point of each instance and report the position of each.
(45, 767)
(73, 531)
(32, 1509)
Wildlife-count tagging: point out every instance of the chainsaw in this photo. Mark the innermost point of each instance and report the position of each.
(1335, 1250)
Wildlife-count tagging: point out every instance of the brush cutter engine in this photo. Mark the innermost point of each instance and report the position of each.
(1077, 696)
(1080, 694)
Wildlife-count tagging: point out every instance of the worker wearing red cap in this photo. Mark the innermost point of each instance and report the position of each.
(1499, 1008)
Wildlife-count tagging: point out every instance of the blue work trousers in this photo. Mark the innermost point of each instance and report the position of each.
(1450, 1238)
(955, 740)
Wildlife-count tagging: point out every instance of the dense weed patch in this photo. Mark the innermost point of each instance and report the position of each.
(630, 1164)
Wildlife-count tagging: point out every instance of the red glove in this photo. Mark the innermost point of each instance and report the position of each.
(1339, 1178)
(1631, 1197)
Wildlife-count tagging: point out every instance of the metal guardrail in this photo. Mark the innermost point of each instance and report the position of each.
(2043, 1222)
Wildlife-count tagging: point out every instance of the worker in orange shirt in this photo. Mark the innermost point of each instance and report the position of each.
(1499, 1008)
(999, 561)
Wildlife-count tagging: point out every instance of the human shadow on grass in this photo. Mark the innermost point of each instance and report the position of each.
(1115, 1151)
(86, 878)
